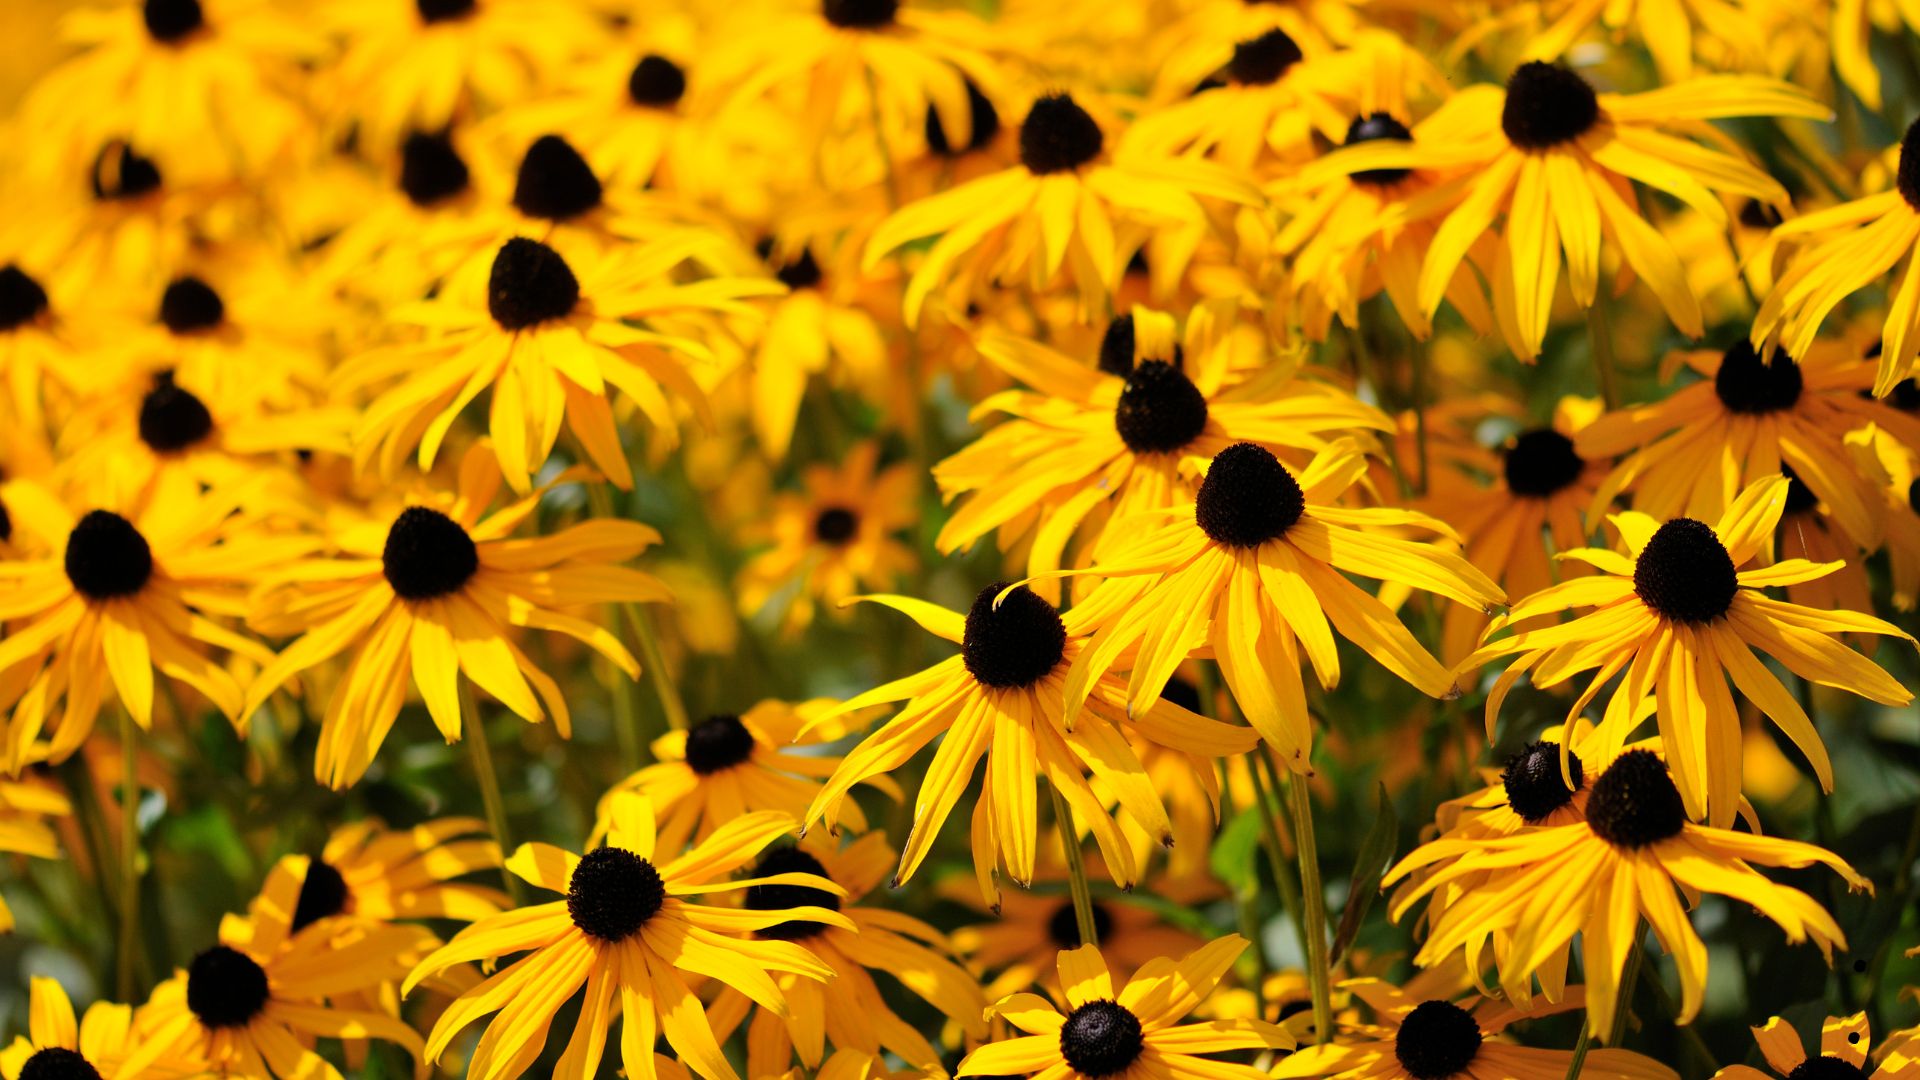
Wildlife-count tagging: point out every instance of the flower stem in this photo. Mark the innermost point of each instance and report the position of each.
(1258, 767)
(129, 857)
(476, 740)
(1076, 869)
(626, 706)
(653, 659)
(1314, 903)
(1628, 976)
(1600, 337)
(1420, 414)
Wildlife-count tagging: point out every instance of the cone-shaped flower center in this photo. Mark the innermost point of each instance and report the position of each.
(1262, 60)
(58, 1063)
(431, 169)
(107, 557)
(530, 284)
(1063, 926)
(1376, 127)
(322, 896)
(1016, 644)
(1116, 347)
(555, 183)
(1824, 1067)
(1160, 410)
(1547, 105)
(613, 893)
(1685, 574)
(1101, 1038)
(1747, 384)
(1634, 803)
(428, 555)
(22, 300)
(860, 14)
(190, 305)
(1541, 462)
(433, 11)
(119, 173)
(1058, 136)
(170, 20)
(225, 988)
(835, 525)
(781, 897)
(1248, 498)
(1533, 782)
(656, 82)
(1907, 179)
(801, 273)
(171, 418)
(985, 125)
(1436, 1040)
(718, 742)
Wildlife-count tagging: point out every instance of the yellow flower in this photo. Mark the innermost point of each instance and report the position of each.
(1597, 877)
(727, 765)
(1130, 1035)
(1559, 161)
(37, 354)
(1002, 698)
(434, 593)
(632, 932)
(1845, 1042)
(848, 1010)
(1255, 570)
(26, 805)
(56, 1044)
(1679, 618)
(369, 873)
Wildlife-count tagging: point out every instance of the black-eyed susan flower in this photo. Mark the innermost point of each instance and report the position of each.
(1726, 37)
(1003, 699)
(633, 932)
(1846, 1049)
(1255, 570)
(848, 1011)
(1086, 449)
(36, 352)
(727, 765)
(438, 591)
(1437, 1038)
(58, 1045)
(1840, 250)
(255, 1003)
(121, 220)
(1678, 617)
(1133, 1033)
(1055, 212)
(116, 594)
(836, 538)
(1629, 859)
(1558, 162)
(371, 873)
(1748, 417)
(552, 330)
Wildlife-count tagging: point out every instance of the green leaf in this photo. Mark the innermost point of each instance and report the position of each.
(1376, 851)
(1232, 857)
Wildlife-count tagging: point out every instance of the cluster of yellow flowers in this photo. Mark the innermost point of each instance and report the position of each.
(347, 345)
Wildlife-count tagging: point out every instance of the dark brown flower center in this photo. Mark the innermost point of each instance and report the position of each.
(1058, 136)
(431, 170)
(613, 893)
(172, 418)
(58, 1063)
(1634, 803)
(171, 20)
(225, 988)
(717, 743)
(107, 558)
(428, 555)
(1533, 782)
(530, 284)
(118, 173)
(1016, 644)
(22, 300)
(1378, 127)
(1436, 1040)
(1248, 498)
(1547, 105)
(1685, 573)
(1747, 384)
(984, 126)
(323, 895)
(1063, 926)
(1541, 462)
(789, 860)
(190, 305)
(656, 82)
(1262, 60)
(1101, 1038)
(555, 183)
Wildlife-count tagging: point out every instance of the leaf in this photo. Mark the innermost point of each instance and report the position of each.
(1232, 857)
(1376, 851)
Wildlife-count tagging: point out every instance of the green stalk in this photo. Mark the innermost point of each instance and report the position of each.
(626, 707)
(1314, 903)
(129, 857)
(1259, 769)
(1630, 974)
(1076, 868)
(482, 754)
(1601, 338)
(652, 658)
(1420, 414)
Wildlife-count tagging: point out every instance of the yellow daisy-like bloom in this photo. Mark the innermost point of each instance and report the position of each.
(1031, 928)
(95, 1044)
(1089, 448)
(1002, 698)
(632, 932)
(36, 353)
(1559, 162)
(1679, 618)
(818, 328)
(254, 1004)
(370, 873)
(1255, 571)
(1411, 1039)
(836, 539)
(1598, 877)
(848, 1010)
(729, 765)
(1811, 531)
(1133, 1034)
(1845, 1042)
(1747, 418)
(1839, 251)
(1056, 210)
(550, 345)
(26, 805)
(435, 593)
(1729, 33)
(117, 594)
(224, 69)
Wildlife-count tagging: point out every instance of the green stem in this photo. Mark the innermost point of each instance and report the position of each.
(1076, 869)
(482, 754)
(1629, 974)
(626, 708)
(1271, 816)
(1420, 414)
(656, 661)
(129, 857)
(83, 794)
(1600, 336)
(1314, 902)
